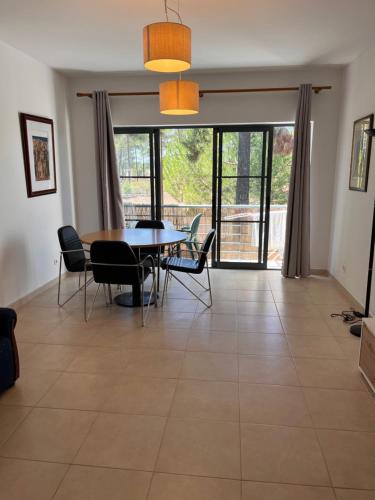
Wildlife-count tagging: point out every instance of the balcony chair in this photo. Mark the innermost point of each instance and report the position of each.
(9, 363)
(75, 260)
(155, 252)
(115, 263)
(177, 264)
(192, 242)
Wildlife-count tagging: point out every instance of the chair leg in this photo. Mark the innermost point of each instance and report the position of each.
(191, 291)
(209, 283)
(110, 294)
(58, 290)
(92, 305)
(165, 285)
(142, 300)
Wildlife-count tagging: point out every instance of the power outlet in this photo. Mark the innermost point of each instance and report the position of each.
(343, 267)
(55, 262)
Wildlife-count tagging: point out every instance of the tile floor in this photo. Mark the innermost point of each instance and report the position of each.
(258, 398)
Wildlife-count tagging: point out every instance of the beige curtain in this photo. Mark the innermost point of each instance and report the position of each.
(297, 238)
(111, 207)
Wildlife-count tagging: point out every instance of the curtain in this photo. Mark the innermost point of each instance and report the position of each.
(111, 208)
(297, 237)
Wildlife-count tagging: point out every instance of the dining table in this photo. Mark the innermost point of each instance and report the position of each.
(138, 239)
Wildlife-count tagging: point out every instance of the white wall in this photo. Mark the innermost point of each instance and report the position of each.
(28, 239)
(352, 214)
(216, 109)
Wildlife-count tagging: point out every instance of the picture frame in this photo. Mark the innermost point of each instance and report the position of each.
(38, 145)
(361, 153)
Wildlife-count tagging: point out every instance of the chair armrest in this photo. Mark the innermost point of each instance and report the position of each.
(77, 250)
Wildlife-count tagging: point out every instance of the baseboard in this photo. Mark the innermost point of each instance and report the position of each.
(26, 298)
(354, 302)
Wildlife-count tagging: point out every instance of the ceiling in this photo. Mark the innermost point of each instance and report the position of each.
(106, 35)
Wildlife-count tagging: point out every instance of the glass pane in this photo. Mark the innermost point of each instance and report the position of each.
(281, 165)
(186, 161)
(240, 199)
(239, 242)
(136, 194)
(133, 154)
(242, 153)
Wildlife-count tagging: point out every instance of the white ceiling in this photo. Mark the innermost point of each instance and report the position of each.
(106, 35)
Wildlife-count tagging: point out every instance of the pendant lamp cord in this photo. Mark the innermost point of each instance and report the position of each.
(167, 8)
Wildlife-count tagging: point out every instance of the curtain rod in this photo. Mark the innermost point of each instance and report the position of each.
(316, 89)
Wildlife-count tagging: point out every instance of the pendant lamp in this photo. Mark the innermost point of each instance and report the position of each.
(179, 97)
(167, 47)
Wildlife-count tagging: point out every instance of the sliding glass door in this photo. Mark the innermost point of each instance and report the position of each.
(236, 177)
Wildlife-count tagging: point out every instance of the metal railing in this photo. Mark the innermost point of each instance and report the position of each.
(239, 242)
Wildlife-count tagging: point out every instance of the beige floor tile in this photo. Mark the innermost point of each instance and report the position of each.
(282, 454)
(72, 334)
(307, 346)
(30, 312)
(30, 387)
(206, 400)
(172, 320)
(212, 342)
(210, 366)
(254, 296)
(153, 339)
(267, 491)
(140, 395)
(259, 324)
(201, 448)
(305, 326)
(179, 305)
(123, 441)
(154, 363)
(329, 373)
(27, 480)
(285, 297)
(355, 494)
(33, 330)
(263, 344)
(173, 487)
(350, 458)
(99, 360)
(50, 435)
(215, 322)
(24, 350)
(257, 308)
(339, 409)
(298, 311)
(10, 418)
(52, 357)
(94, 483)
(79, 391)
(350, 347)
(274, 405)
(267, 370)
(218, 307)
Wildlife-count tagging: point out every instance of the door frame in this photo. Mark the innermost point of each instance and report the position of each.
(266, 177)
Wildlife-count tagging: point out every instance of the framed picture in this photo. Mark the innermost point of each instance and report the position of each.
(361, 152)
(39, 154)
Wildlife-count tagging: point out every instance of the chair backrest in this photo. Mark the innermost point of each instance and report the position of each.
(150, 224)
(195, 225)
(69, 240)
(111, 253)
(206, 248)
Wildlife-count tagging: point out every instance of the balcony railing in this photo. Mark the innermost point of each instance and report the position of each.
(239, 241)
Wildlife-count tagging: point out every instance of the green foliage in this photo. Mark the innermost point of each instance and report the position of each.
(186, 156)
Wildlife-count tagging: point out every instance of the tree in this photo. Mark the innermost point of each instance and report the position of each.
(243, 168)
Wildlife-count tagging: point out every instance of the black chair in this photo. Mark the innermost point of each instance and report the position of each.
(9, 363)
(155, 252)
(75, 260)
(175, 263)
(115, 263)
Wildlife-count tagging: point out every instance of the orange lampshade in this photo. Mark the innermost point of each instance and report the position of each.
(167, 47)
(179, 97)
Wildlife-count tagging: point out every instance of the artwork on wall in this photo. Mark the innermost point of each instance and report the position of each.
(39, 154)
(361, 152)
